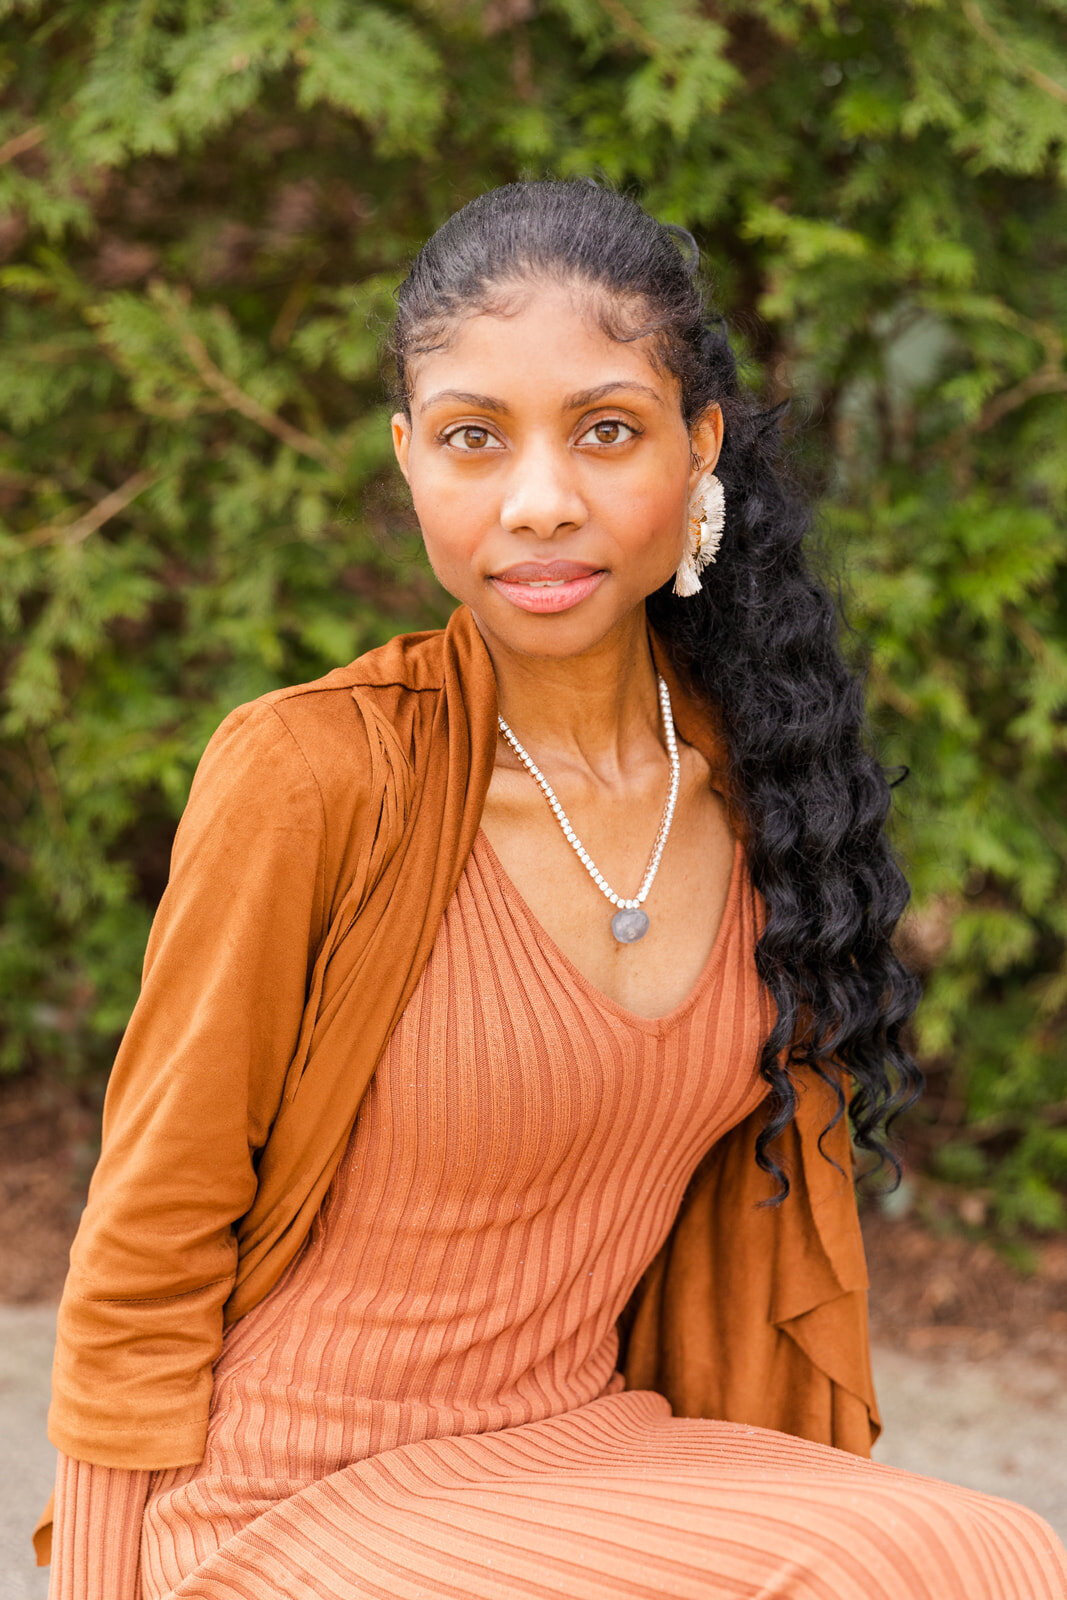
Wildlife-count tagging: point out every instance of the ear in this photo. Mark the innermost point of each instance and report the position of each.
(705, 438)
(401, 428)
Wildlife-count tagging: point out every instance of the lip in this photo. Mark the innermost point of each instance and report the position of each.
(563, 595)
(545, 571)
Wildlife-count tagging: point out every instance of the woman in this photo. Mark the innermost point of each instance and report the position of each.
(584, 903)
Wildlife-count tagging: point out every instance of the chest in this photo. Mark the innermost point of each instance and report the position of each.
(685, 904)
(510, 1079)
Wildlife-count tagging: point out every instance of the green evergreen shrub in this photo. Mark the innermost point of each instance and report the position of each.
(203, 210)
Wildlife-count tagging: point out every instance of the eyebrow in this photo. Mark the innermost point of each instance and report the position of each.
(589, 397)
(574, 402)
(481, 402)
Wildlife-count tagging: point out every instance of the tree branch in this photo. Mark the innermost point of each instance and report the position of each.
(234, 397)
(1043, 381)
(1040, 80)
(110, 506)
(21, 142)
(627, 23)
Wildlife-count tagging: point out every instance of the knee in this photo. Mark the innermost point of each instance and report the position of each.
(877, 1532)
(950, 1543)
(1025, 1558)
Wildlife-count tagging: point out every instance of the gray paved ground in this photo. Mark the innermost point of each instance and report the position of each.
(997, 1425)
(26, 1458)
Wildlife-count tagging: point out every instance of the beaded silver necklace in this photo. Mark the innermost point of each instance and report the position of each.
(630, 922)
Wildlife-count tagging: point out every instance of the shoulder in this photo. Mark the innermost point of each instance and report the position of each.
(330, 718)
(321, 751)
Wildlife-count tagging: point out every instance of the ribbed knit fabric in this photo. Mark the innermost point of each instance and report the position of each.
(97, 1524)
(427, 1405)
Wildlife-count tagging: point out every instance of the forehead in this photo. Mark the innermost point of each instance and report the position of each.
(539, 340)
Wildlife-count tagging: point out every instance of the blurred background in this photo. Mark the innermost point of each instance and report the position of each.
(204, 210)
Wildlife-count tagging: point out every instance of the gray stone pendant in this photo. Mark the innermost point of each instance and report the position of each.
(628, 926)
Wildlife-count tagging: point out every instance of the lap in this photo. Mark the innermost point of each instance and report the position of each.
(622, 1499)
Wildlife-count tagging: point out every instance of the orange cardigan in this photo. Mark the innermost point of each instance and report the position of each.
(326, 830)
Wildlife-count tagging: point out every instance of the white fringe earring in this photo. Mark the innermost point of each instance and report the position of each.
(707, 515)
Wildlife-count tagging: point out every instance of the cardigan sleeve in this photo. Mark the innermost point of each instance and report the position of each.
(96, 1542)
(194, 1089)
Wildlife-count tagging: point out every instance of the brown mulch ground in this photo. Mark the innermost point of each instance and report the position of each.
(934, 1291)
(48, 1143)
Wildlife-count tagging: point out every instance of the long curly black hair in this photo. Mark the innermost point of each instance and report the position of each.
(760, 643)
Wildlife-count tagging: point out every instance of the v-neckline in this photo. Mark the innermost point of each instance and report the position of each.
(654, 1025)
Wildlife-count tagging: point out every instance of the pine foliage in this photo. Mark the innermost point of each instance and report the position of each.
(203, 210)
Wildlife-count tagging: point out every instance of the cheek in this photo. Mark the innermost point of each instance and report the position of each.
(648, 512)
(453, 510)
(452, 523)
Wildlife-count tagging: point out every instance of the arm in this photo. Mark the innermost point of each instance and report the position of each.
(97, 1531)
(191, 1098)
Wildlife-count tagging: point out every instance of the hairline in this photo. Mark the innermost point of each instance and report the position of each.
(539, 273)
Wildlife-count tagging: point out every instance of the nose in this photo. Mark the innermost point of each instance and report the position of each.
(543, 496)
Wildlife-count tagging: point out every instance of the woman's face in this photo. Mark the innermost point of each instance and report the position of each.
(550, 468)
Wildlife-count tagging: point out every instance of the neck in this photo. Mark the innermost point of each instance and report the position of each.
(597, 710)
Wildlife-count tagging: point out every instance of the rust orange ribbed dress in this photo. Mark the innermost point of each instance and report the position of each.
(427, 1405)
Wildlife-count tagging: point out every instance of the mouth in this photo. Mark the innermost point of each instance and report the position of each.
(547, 586)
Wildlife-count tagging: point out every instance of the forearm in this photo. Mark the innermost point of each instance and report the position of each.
(96, 1538)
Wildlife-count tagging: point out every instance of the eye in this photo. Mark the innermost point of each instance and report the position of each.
(609, 430)
(470, 438)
